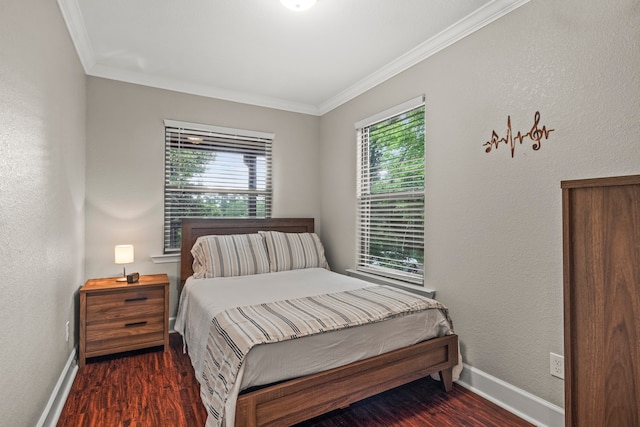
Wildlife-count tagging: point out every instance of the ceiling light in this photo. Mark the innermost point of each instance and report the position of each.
(298, 5)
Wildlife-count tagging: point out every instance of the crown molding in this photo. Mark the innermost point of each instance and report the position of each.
(142, 79)
(457, 31)
(464, 27)
(72, 16)
(75, 25)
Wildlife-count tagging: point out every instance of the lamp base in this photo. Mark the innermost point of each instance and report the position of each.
(121, 279)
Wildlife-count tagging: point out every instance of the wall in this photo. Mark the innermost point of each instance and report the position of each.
(42, 189)
(493, 223)
(125, 167)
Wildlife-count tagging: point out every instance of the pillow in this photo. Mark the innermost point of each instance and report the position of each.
(229, 255)
(292, 251)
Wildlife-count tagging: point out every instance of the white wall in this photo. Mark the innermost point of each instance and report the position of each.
(125, 167)
(493, 223)
(42, 189)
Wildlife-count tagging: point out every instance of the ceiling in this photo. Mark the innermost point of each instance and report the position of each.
(258, 52)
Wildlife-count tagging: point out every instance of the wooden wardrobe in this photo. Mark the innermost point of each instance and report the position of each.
(601, 244)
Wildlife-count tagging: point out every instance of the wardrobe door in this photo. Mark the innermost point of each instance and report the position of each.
(601, 235)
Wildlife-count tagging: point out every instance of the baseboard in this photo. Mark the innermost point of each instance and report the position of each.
(52, 411)
(515, 400)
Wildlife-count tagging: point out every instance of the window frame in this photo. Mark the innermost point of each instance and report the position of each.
(365, 201)
(214, 140)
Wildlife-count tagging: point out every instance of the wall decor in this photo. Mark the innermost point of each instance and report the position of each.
(535, 134)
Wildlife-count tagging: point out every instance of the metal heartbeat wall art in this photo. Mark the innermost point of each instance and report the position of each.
(535, 134)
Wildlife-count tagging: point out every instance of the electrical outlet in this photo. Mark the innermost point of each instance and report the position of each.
(556, 365)
(66, 333)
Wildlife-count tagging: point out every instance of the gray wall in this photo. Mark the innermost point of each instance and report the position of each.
(125, 167)
(493, 223)
(42, 189)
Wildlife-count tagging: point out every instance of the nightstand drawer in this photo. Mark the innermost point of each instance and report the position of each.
(123, 304)
(125, 332)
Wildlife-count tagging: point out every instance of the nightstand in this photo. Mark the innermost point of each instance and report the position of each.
(120, 316)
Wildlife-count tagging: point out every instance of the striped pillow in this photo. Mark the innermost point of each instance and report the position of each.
(292, 251)
(229, 255)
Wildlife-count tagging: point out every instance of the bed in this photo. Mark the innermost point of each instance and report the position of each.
(288, 382)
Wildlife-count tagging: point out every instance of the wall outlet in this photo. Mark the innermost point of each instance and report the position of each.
(556, 365)
(66, 333)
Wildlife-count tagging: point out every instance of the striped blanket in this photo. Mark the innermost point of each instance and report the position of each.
(235, 331)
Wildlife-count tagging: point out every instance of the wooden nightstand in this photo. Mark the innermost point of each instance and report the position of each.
(118, 316)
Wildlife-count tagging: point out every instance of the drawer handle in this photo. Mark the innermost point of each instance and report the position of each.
(135, 299)
(131, 325)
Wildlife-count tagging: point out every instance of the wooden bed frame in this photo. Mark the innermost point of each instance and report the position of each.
(299, 399)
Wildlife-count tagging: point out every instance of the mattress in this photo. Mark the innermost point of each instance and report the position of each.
(202, 299)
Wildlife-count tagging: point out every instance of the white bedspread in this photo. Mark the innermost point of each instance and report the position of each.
(202, 299)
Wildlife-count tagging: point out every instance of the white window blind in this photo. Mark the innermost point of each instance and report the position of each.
(390, 192)
(213, 171)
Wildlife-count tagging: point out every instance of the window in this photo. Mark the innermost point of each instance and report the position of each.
(213, 171)
(390, 191)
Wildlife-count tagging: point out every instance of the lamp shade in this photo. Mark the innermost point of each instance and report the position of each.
(124, 254)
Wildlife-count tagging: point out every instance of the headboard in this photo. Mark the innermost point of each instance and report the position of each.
(193, 228)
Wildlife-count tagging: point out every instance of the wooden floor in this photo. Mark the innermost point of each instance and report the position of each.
(156, 388)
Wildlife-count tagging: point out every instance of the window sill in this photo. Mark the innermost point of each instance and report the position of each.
(429, 293)
(165, 258)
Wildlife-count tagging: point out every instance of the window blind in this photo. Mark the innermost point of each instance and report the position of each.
(213, 171)
(390, 192)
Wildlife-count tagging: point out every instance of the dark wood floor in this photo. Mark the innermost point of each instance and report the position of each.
(156, 388)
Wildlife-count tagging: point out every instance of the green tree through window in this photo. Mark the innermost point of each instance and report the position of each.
(214, 172)
(391, 196)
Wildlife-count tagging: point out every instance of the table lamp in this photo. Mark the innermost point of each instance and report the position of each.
(124, 255)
